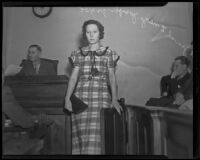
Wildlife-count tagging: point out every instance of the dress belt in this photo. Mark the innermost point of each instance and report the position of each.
(89, 78)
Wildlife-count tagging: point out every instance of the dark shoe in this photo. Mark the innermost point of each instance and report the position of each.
(38, 131)
(43, 119)
(41, 126)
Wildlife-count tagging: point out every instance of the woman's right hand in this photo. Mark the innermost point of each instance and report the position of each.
(117, 106)
(68, 105)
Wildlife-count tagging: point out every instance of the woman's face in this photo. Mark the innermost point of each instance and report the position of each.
(92, 33)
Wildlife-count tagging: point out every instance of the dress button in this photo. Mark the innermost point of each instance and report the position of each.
(90, 77)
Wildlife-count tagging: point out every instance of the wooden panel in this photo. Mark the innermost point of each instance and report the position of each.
(160, 131)
(157, 136)
(113, 128)
(39, 91)
(68, 135)
(107, 124)
(45, 94)
(179, 134)
(132, 132)
(139, 135)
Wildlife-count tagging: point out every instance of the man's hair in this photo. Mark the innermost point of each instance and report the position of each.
(183, 59)
(37, 46)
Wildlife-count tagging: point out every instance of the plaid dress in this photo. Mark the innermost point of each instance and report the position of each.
(93, 90)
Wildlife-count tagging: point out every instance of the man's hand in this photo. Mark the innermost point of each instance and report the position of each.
(174, 74)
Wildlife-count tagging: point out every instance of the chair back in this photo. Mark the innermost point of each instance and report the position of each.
(54, 62)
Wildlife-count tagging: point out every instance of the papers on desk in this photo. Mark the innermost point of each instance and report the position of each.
(12, 70)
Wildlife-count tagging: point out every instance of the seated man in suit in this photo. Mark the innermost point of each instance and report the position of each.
(34, 65)
(180, 75)
(184, 96)
(165, 82)
(176, 82)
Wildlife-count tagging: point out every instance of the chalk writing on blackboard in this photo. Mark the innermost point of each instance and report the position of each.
(164, 28)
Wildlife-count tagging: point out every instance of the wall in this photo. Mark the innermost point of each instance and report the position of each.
(146, 47)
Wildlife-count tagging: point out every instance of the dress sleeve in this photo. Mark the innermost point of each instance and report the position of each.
(113, 58)
(74, 59)
(116, 58)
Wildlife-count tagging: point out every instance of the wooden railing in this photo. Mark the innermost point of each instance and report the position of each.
(144, 130)
(160, 131)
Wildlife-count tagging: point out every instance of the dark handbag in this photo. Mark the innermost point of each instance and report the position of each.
(78, 105)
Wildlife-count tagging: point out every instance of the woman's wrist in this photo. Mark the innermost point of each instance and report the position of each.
(67, 98)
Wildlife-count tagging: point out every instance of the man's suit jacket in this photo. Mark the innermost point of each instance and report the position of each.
(178, 84)
(187, 89)
(164, 84)
(173, 86)
(46, 68)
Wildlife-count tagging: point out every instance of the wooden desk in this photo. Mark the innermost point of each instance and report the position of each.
(44, 94)
(179, 134)
(160, 131)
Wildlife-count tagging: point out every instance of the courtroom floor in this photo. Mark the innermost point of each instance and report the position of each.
(19, 143)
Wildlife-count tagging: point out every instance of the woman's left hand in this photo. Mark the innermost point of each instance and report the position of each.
(117, 106)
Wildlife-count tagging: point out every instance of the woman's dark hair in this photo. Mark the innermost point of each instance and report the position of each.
(99, 26)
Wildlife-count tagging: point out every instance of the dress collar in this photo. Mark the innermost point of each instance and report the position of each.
(101, 51)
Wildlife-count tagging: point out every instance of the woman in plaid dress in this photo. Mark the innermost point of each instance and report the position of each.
(93, 71)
